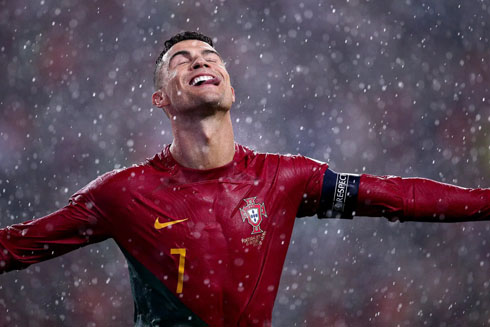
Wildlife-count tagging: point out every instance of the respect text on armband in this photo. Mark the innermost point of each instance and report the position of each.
(340, 192)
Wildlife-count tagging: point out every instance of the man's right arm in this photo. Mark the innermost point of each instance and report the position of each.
(67, 229)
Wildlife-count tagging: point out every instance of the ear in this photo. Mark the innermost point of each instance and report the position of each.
(159, 99)
(233, 94)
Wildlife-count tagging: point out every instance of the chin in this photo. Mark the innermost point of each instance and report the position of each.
(205, 108)
(214, 102)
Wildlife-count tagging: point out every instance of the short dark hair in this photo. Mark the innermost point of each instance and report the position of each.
(182, 37)
(176, 39)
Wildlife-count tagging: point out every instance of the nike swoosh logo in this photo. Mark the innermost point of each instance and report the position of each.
(159, 225)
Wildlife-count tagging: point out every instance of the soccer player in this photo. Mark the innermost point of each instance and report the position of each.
(205, 224)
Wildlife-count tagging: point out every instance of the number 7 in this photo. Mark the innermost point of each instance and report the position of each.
(180, 281)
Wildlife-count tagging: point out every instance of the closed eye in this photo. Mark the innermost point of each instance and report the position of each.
(212, 57)
(179, 58)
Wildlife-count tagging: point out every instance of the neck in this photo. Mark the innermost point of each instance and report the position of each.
(204, 142)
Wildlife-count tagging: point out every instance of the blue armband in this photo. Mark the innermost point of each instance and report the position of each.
(339, 195)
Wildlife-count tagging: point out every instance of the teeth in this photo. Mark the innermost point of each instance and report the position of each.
(201, 79)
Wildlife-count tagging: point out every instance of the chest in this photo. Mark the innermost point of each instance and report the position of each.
(208, 241)
(209, 212)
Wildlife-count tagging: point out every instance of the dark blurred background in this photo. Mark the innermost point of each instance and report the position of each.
(382, 87)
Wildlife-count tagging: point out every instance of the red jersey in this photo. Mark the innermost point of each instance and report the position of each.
(207, 247)
(204, 247)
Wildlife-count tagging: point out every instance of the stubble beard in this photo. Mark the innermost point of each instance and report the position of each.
(205, 106)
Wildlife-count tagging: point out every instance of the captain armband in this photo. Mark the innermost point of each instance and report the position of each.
(339, 195)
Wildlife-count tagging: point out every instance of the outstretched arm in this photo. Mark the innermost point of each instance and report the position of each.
(37, 240)
(404, 199)
(420, 199)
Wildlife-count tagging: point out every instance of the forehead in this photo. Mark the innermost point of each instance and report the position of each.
(187, 45)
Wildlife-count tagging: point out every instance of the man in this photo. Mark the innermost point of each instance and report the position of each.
(206, 223)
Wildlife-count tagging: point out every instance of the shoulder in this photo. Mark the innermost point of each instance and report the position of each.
(117, 180)
(292, 168)
(287, 160)
(251, 154)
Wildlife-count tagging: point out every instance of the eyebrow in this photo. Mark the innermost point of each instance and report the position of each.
(187, 53)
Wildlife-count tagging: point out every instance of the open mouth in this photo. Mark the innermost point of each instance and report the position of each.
(204, 80)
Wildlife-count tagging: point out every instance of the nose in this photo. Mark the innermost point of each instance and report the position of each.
(199, 62)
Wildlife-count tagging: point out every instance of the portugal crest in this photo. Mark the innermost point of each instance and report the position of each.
(253, 212)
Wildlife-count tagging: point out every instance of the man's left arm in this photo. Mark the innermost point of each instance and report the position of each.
(420, 199)
(404, 199)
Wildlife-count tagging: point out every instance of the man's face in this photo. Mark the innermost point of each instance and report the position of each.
(194, 80)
